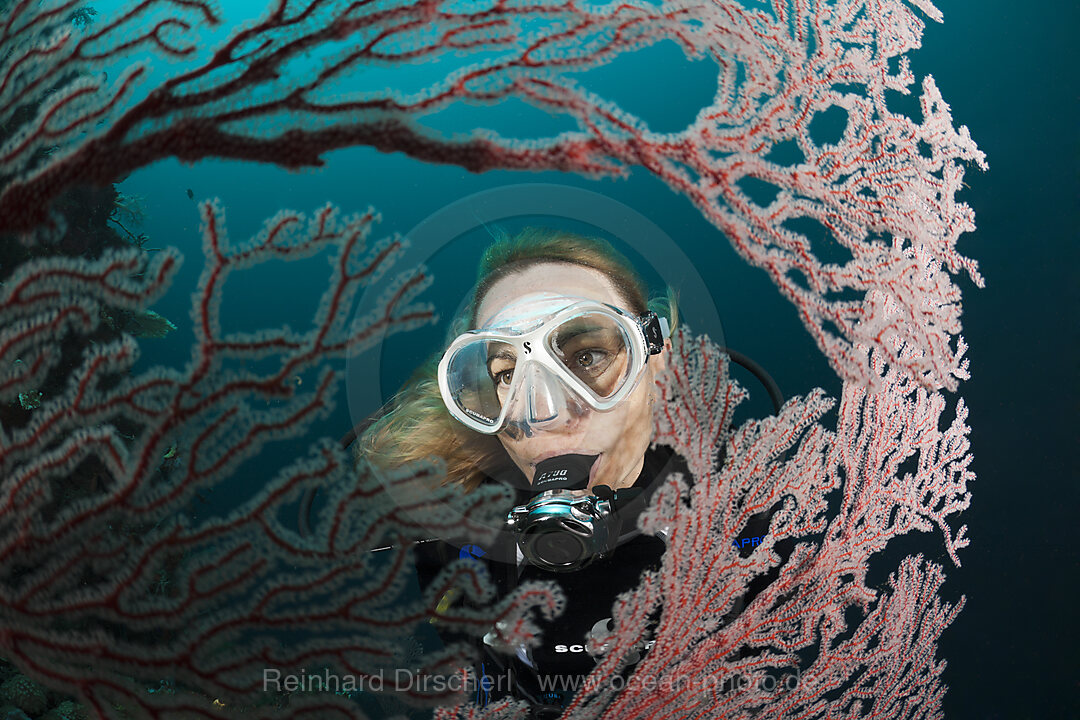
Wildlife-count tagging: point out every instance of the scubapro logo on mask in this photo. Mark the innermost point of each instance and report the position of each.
(528, 347)
(479, 416)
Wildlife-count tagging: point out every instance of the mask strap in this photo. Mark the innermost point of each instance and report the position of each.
(656, 330)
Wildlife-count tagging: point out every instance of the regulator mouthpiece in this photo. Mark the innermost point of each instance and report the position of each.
(565, 527)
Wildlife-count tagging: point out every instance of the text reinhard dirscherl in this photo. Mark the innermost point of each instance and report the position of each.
(468, 681)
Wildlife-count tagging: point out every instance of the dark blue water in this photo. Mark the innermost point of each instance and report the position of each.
(1009, 74)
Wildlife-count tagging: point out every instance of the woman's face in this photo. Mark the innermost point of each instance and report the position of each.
(619, 436)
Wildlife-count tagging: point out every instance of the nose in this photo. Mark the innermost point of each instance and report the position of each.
(544, 403)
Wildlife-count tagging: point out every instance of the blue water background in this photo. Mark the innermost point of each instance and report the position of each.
(1009, 74)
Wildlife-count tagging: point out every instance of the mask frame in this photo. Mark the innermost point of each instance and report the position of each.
(647, 334)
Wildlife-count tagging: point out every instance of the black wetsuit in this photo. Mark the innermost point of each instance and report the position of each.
(549, 674)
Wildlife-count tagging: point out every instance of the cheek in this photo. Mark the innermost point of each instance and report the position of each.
(641, 422)
(635, 419)
(509, 445)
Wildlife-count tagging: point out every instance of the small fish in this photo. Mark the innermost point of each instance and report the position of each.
(191, 195)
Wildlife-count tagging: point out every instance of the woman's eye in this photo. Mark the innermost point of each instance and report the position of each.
(504, 377)
(590, 359)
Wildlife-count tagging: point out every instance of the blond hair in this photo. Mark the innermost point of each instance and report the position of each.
(418, 425)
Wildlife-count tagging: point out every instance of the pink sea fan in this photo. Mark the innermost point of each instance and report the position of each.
(795, 650)
(882, 193)
(886, 315)
(796, 628)
(109, 587)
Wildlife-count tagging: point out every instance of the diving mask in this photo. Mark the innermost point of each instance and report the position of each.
(545, 359)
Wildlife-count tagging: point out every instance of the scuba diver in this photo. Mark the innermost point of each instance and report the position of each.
(548, 386)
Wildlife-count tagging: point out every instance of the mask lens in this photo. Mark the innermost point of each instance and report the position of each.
(479, 376)
(587, 356)
(595, 349)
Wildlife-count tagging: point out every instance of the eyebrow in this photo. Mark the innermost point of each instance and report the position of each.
(501, 355)
(601, 330)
